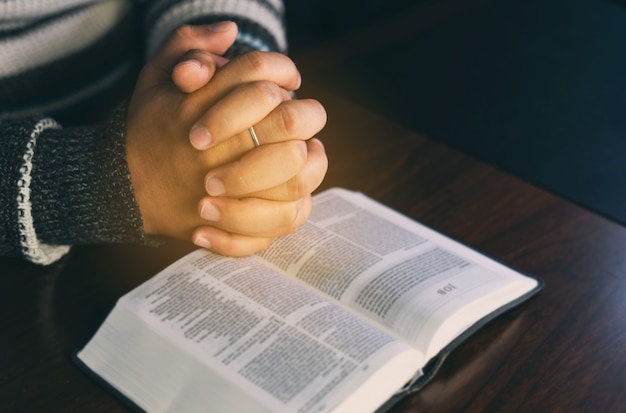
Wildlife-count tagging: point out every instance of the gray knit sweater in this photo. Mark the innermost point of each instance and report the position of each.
(63, 64)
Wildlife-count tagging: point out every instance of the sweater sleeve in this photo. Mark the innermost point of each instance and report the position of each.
(261, 23)
(65, 187)
(70, 185)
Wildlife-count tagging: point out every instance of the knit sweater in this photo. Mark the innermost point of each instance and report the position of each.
(65, 65)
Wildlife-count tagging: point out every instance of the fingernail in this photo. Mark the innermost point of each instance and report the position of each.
(219, 26)
(194, 62)
(210, 212)
(200, 137)
(214, 186)
(202, 242)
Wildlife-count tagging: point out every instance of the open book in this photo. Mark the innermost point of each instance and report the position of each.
(357, 306)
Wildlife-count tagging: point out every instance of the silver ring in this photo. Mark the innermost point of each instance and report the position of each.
(255, 140)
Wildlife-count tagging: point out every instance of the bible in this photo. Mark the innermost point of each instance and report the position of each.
(355, 309)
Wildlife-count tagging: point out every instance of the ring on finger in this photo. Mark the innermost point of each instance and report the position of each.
(255, 140)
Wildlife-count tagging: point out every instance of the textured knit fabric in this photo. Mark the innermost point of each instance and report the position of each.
(66, 66)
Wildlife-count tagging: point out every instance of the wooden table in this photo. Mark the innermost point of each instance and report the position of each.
(564, 350)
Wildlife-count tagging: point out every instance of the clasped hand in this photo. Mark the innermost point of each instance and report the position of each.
(194, 168)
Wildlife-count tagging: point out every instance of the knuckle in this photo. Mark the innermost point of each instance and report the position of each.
(187, 108)
(302, 154)
(255, 61)
(305, 206)
(268, 92)
(297, 153)
(240, 183)
(288, 119)
(184, 31)
(293, 217)
(295, 188)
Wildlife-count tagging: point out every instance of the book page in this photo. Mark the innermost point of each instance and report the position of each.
(290, 348)
(419, 284)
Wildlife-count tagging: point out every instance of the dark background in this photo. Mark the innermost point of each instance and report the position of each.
(536, 88)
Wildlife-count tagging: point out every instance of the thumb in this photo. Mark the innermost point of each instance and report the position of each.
(195, 69)
(214, 39)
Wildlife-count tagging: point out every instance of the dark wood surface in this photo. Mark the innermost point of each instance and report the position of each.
(564, 350)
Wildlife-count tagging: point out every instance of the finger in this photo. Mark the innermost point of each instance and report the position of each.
(255, 217)
(225, 243)
(195, 69)
(215, 38)
(263, 168)
(249, 67)
(292, 120)
(306, 181)
(234, 113)
(272, 66)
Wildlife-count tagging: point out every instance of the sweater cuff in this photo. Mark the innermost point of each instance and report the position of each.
(31, 246)
(81, 191)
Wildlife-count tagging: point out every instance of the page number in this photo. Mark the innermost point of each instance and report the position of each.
(446, 289)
